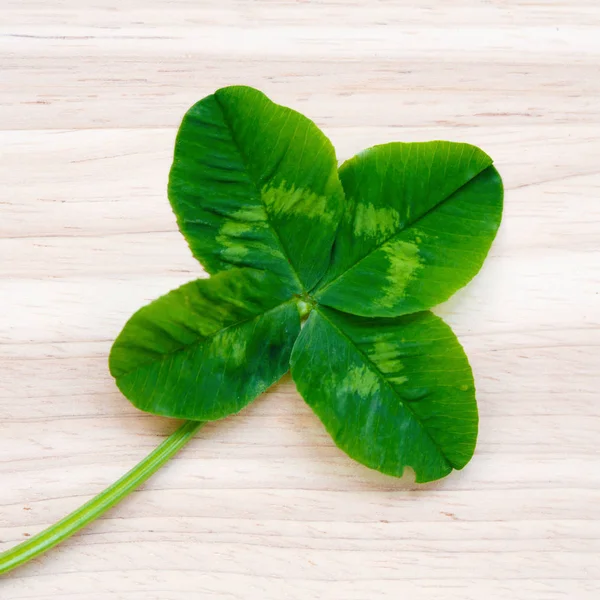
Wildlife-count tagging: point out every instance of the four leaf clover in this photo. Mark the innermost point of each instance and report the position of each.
(327, 272)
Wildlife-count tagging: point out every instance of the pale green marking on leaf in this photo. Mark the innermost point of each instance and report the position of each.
(251, 212)
(297, 202)
(232, 250)
(232, 231)
(421, 237)
(360, 380)
(398, 379)
(234, 234)
(373, 222)
(233, 347)
(386, 354)
(404, 262)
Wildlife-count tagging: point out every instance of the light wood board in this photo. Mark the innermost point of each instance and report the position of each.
(262, 505)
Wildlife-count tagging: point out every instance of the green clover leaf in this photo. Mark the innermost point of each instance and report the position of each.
(417, 225)
(208, 348)
(254, 184)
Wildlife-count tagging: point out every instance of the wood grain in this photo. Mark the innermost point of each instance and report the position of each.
(263, 505)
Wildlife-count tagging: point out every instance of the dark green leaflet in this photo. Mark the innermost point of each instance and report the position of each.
(255, 184)
(391, 392)
(419, 221)
(208, 348)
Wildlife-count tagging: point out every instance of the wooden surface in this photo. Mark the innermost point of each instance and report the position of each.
(263, 506)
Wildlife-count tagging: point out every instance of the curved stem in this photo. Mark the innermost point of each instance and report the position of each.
(91, 510)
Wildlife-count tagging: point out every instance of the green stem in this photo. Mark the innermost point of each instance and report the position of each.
(101, 503)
